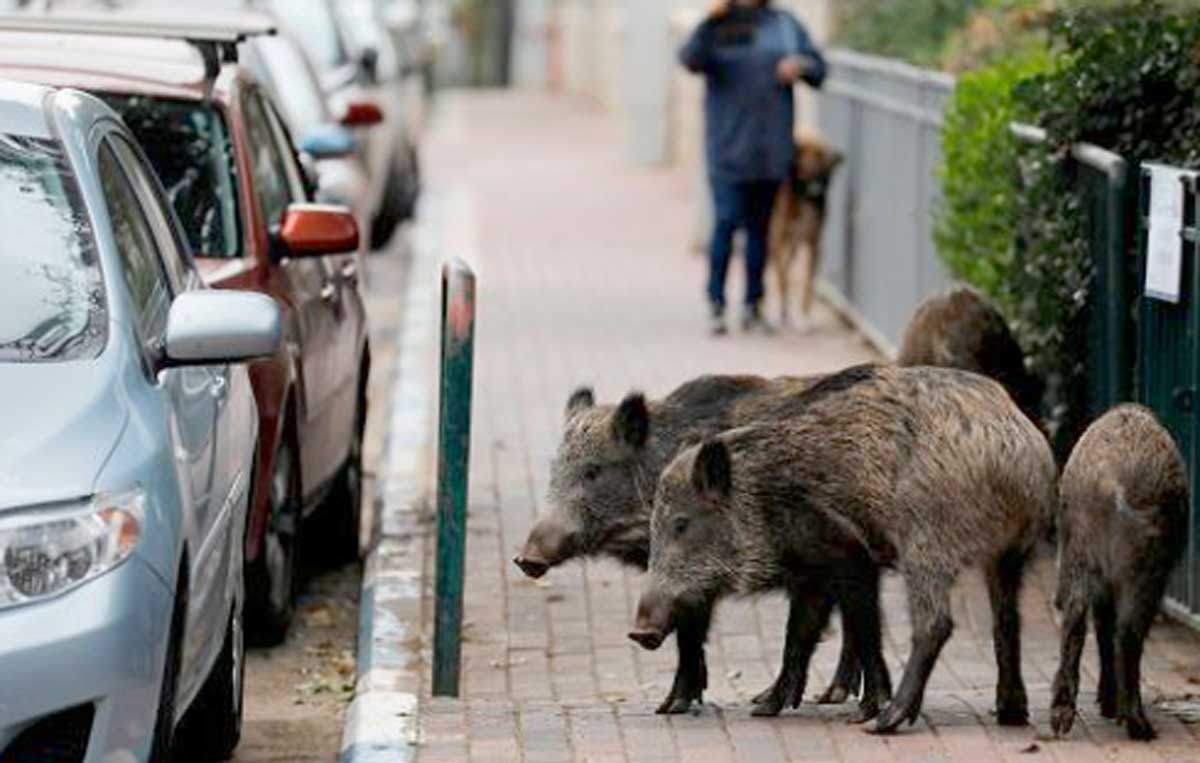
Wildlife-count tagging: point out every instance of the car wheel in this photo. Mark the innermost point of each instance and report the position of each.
(212, 727)
(271, 577)
(343, 506)
(399, 200)
(163, 745)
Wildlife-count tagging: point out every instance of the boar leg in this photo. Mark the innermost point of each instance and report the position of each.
(858, 599)
(691, 674)
(1073, 603)
(1105, 616)
(845, 682)
(1136, 608)
(929, 610)
(1004, 588)
(807, 617)
(849, 672)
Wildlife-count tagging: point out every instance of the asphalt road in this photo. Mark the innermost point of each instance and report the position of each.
(297, 693)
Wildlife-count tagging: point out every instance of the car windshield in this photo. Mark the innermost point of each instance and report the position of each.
(50, 280)
(315, 27)
(188, 145)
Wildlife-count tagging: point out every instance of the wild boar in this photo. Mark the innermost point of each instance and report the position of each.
(602, 482)
(929, 470)
(963, 329)
(1123, 527)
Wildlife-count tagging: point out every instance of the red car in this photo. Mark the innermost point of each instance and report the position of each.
(236, 182)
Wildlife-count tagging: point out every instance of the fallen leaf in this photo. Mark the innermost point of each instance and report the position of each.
(318, 617)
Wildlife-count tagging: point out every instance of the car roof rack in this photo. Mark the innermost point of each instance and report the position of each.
(215, 34)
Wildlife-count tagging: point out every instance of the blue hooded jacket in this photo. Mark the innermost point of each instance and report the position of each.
(749, 115)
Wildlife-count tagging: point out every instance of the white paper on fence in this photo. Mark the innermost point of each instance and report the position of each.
(1164, 242)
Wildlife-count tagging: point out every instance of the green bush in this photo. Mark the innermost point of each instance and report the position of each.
(1122, 75)
(911, 30)
(976, 225)
(1127, 82)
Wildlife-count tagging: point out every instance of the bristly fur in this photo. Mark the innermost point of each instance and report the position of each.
(927, 470)
(1124, 524)
(604, 474)
(964, 329)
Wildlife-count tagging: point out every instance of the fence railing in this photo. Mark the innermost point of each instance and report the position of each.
(1168, 377)
(1102, 182)
(879, 260)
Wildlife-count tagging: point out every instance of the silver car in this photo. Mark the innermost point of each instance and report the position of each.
(126, 454)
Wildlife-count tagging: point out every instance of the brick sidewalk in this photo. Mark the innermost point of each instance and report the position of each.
(584, 278)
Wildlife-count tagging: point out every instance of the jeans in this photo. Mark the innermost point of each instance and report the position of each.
(744, 205)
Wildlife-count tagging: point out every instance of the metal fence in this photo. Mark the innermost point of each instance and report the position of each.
(1168, 377)
(1100, 180)
(879, 260)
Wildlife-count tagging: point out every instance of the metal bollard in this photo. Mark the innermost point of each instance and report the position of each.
(454, 451)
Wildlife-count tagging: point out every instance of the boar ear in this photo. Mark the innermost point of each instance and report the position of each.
(579, 400)
(631, 422)
(712, 472)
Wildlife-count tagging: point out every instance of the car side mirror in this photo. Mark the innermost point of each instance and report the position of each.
(328, 141)
(361, 113)
(214, 327)
(314, 230)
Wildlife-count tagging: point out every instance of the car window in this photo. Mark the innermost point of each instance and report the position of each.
(141, 264)
(50, 279)
(286, 151)
(271, 182)
(188, 146)
(175, 259)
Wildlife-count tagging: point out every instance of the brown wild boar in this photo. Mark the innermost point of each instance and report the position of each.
(963, 329)
(1123, 526)
(929, 470)
(602, 482)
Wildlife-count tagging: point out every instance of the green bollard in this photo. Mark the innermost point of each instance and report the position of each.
(454, 452)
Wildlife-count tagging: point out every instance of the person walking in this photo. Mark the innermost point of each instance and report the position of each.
(751, 55)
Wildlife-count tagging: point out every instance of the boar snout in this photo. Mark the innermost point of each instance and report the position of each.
(653, 622)
(548, 545)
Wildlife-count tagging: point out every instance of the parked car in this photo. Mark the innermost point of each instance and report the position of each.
(354, 54)
(217, 143)
(128, 455)
(337, 171)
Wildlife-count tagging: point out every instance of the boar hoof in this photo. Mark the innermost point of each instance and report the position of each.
(769, 708)
(1108, 706)
(1012, 716)
(865, 712)
(673, 705)
(834, 695)
(1138, 728)
(1062, 718)
(892, 716)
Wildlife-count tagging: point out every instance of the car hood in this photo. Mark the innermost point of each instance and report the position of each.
(61, 423)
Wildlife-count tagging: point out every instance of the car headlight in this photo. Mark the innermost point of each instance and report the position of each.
(49, 550)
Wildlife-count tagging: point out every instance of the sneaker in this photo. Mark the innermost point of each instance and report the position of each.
(752, 320)
(717, 322)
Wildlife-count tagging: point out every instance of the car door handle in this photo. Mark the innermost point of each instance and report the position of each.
(350, 272)
(219, 387)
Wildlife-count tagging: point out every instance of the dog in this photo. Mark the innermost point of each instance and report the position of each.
(799, 218)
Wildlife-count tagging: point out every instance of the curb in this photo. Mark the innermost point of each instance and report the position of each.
(381, 721)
